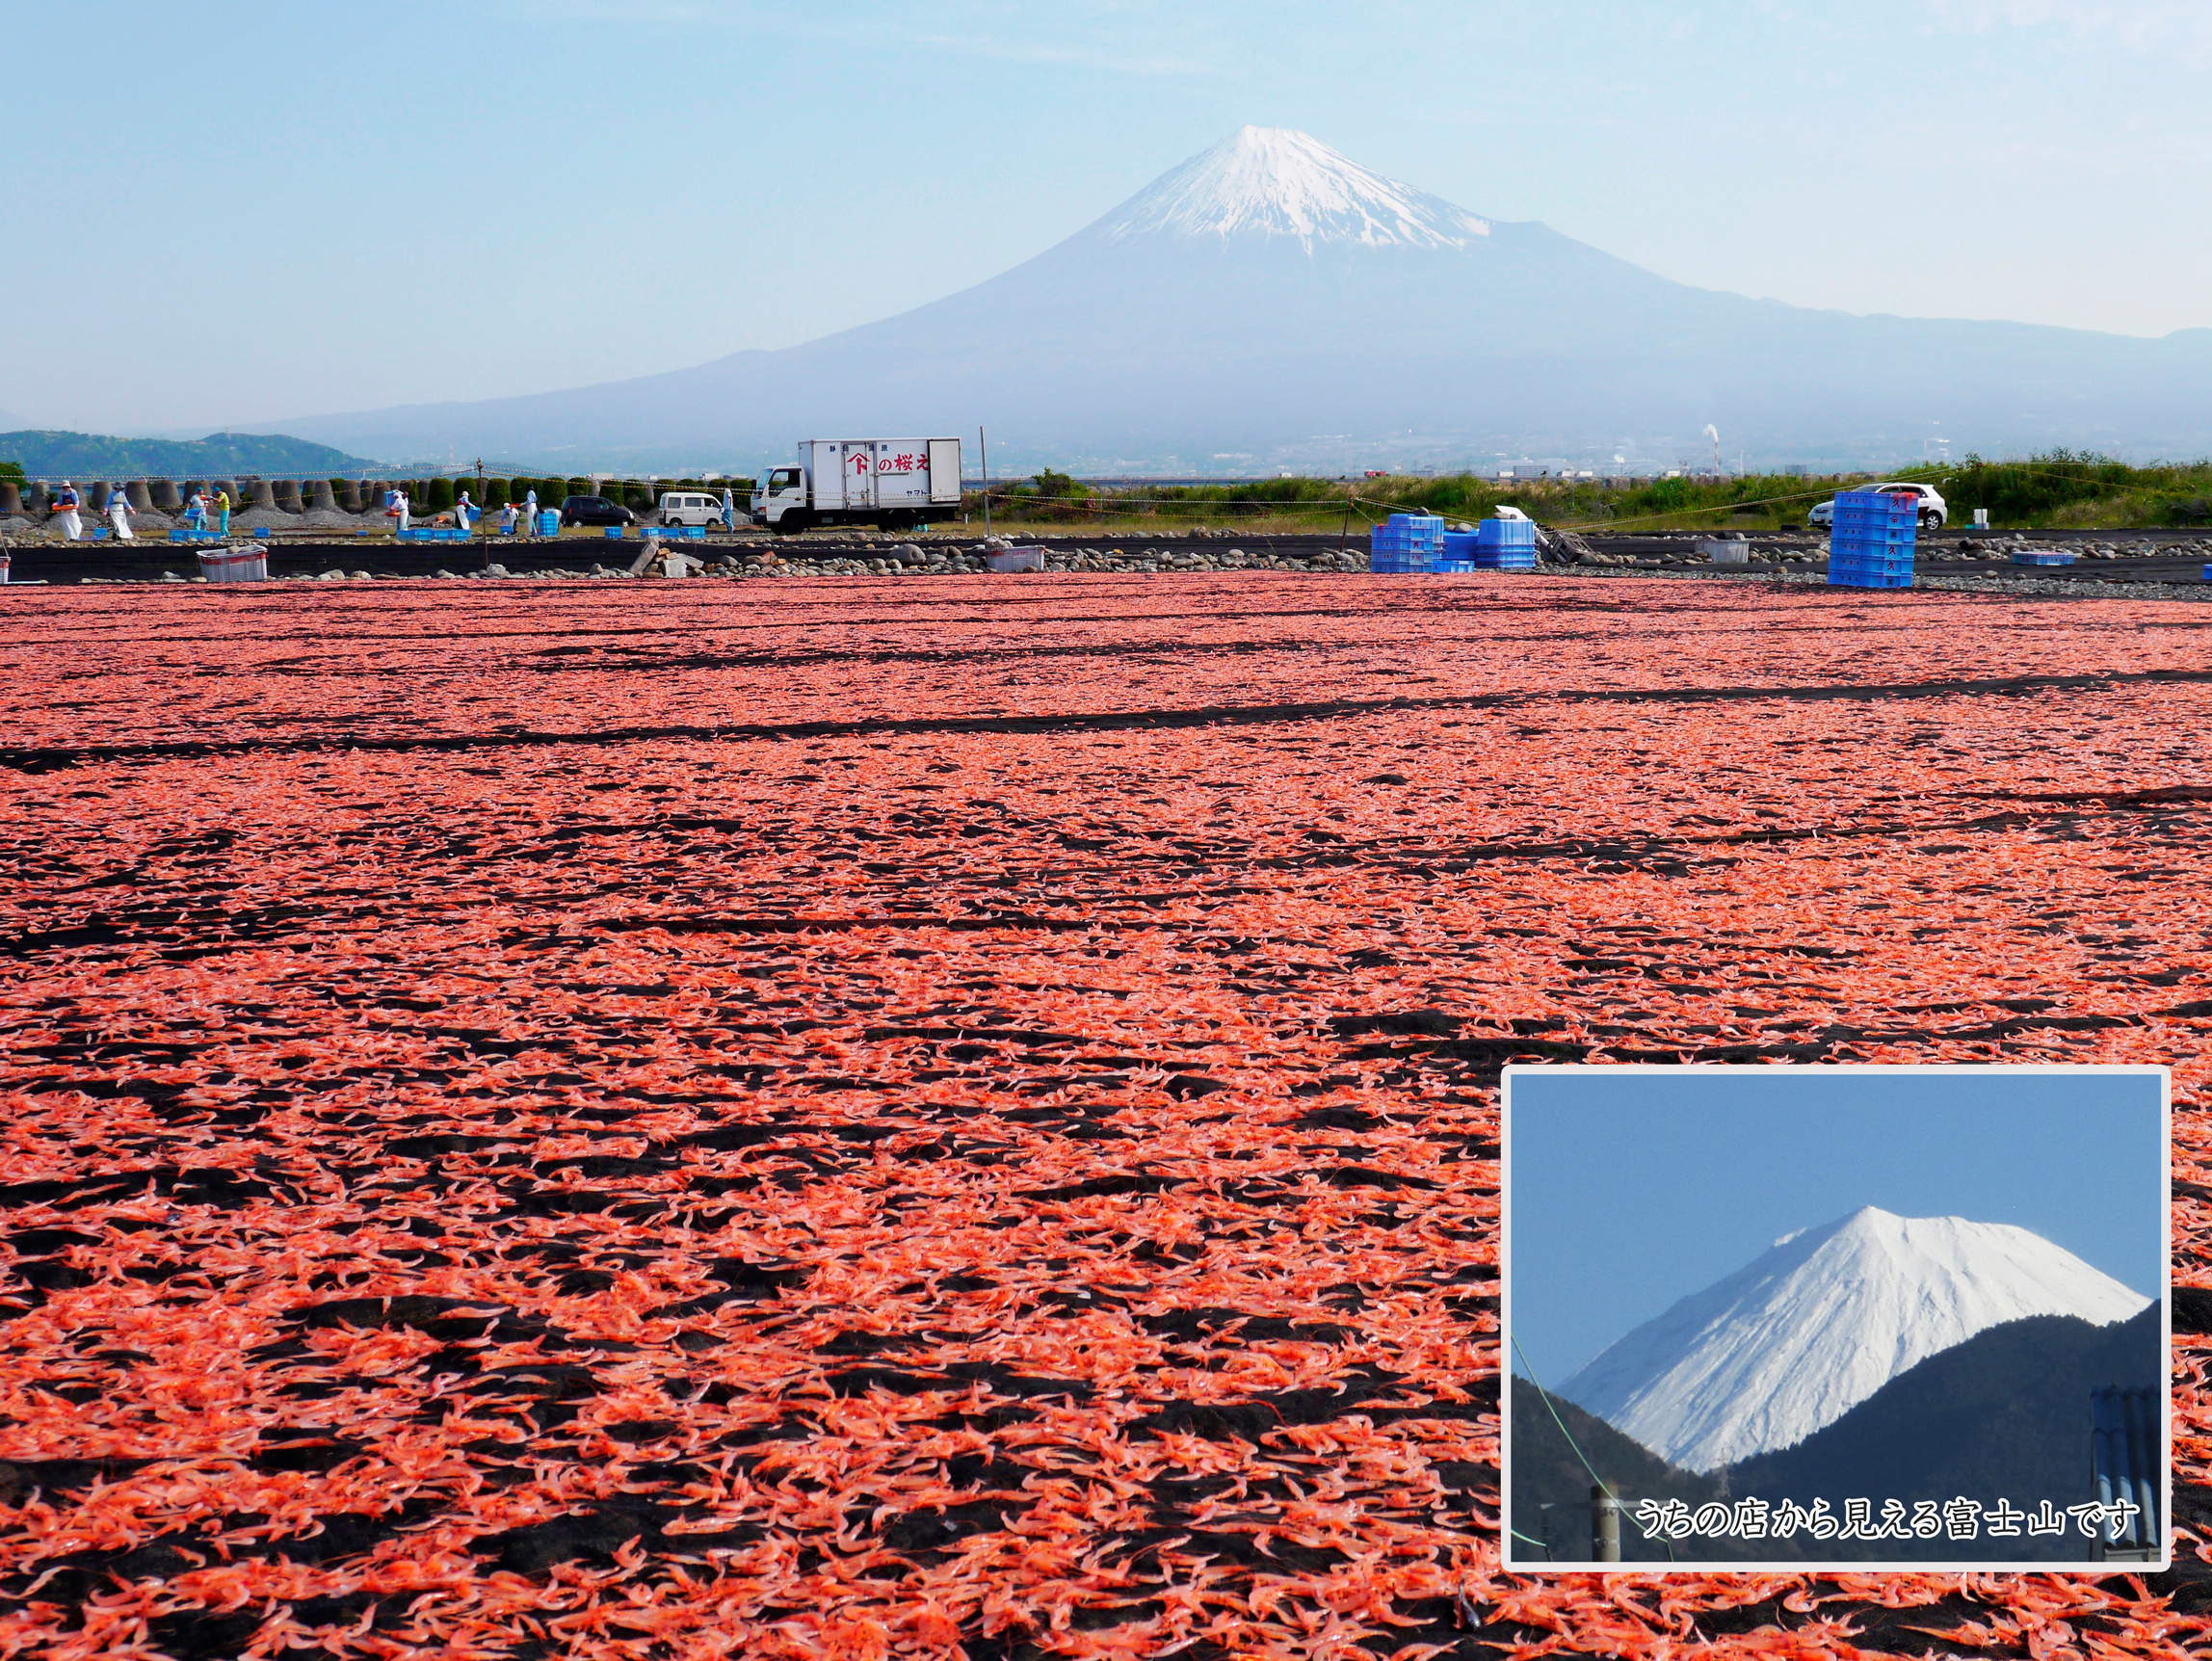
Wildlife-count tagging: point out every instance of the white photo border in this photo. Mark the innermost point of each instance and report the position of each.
(1509, 1565)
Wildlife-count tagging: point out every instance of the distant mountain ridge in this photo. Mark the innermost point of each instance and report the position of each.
(54, 455)
(1270, 303)
(1790, 1343)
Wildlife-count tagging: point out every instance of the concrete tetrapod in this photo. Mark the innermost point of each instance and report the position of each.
(139, 495)
(11, 498)
(320, 499)
(287, 495)
(166, 498)
(262, 498)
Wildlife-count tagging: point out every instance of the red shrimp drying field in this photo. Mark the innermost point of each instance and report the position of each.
(852, 1120)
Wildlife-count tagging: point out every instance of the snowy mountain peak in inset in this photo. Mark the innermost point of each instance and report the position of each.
(1817, 1324)
(1269, 181)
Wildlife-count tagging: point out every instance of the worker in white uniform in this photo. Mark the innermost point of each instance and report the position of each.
(196, 512)
(65, 511)
(728, 510)
(399, 510)
(120, 511)
(530, 523)
(464, 514)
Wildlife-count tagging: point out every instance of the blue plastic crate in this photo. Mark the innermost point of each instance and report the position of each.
(1845, 576)
(1896, 507)
(1506, 533)
(1408, 534)
(2041, 557)
(548, 523)
(263, 531)
(614, 533)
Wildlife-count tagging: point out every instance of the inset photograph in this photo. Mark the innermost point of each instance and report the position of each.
(1798, 1317)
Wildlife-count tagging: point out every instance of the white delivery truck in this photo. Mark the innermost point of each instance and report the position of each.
(894, 484)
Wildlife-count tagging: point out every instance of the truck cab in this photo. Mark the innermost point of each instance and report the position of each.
(893, 484)
(780, 499)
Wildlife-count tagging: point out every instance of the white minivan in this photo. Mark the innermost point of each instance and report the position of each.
(689, 507)
(1934, 510)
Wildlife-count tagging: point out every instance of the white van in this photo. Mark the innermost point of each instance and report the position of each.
(689, 507)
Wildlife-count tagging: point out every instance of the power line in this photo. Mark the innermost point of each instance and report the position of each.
(1545, 1396)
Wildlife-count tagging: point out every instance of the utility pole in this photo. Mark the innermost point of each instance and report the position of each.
(1604, 1527)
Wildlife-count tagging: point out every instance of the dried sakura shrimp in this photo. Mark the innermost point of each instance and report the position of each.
(959, 1118)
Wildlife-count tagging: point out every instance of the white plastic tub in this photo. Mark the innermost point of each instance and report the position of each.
(1015, 560)
(234, 564)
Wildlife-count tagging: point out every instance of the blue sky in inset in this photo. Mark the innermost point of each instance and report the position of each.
(1630, 1190)
(242, 210)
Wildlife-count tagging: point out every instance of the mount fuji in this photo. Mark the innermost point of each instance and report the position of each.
(1273, 303)
(1813, 1326)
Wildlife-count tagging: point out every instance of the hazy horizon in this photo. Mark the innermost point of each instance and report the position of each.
(515, 196)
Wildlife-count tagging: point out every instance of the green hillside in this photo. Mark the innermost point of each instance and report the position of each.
(42, 455)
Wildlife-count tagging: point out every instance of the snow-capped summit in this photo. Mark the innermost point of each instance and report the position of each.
(1269, 181)
(1820, 1322)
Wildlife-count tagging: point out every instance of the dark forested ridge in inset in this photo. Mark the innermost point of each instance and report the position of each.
(2004, 1415)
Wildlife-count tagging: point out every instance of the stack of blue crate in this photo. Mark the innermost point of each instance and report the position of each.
(1406, 543)
(1870, 544)
(1493, 545)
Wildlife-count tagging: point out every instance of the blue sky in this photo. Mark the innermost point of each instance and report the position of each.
(1628, 1190)
(238, 212)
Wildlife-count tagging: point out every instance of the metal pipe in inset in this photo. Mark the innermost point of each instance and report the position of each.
(1604, 1527)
